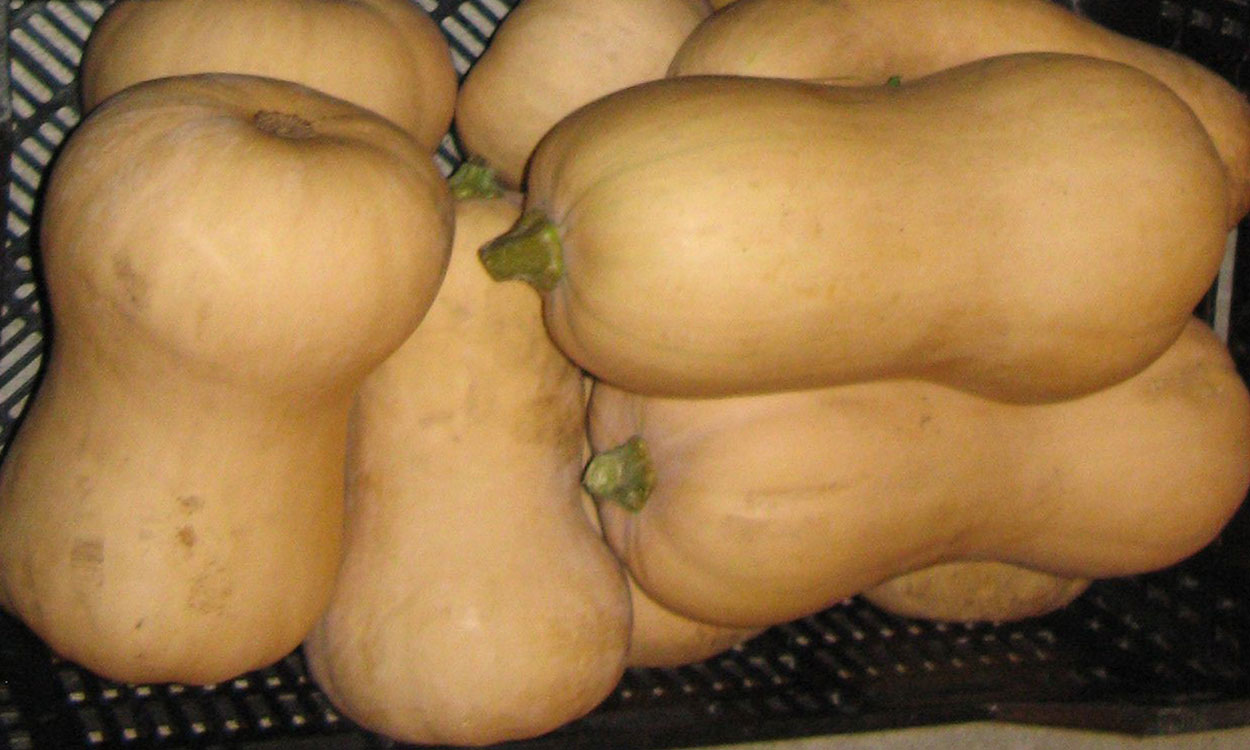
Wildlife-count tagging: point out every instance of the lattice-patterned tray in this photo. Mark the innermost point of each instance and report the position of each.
(1162, 653)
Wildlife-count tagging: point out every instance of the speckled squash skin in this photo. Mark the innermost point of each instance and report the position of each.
(975, 591)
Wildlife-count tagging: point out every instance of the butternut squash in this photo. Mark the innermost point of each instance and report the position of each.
(549, 57)
(760, 509)
(975, 591)
(226, 257)
(868, 42)
(658, 637)
(663, 638)
(476, 602)
(724, 235)
(385, 55)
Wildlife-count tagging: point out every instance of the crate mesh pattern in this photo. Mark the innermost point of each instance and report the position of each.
(1162, 653)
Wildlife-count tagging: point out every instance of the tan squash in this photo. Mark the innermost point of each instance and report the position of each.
(226, 258)
(762, 509)
(868, 42)
(385, 55)
(712, 236)
(663, 638)
(659, 637)
(975, 591)
(549, 57)
(476, 603)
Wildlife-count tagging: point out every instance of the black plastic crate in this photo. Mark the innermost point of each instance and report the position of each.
(1163, 653)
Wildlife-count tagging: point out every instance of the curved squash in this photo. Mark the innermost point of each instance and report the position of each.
(766, 508)
(710, 236)
(549, 57)
(663, 638)
(975, 591)
(659, 637)
(226, 259)
(386, 55)
(476, 603)
(868, 42)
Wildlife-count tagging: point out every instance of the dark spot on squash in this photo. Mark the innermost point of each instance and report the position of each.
(86, 562)
(134, 285)
(186, 535)
(210, 590)
(190, 503)
(87, 552)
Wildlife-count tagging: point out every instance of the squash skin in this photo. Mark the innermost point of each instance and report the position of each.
(188, 254)
(975, 591)
(549, 57)
(866, 42)
(385, 55)
(514, 618)
(661, 638)
(767, 508)
(941, 229)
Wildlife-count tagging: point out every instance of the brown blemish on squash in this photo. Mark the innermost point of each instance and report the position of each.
(133, 284)
(186, 536)
(210, 590)
(86, 560)
(190, 503)
(87, 553)
(283, 124)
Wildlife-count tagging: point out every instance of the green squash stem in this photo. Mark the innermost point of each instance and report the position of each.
(530, 251)
(623, 475)
(474, 178)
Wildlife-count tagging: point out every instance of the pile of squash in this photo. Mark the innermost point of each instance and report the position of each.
(881, 298)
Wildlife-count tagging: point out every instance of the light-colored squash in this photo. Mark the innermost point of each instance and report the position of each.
(549, 57)
(659, 637)
(766, 508)
(1026, 227)
(226, 258)
(476, 603)
(386, 55)
(868, 42)
(662, 638)
(975, 591)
